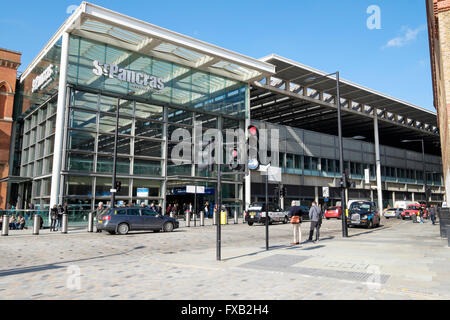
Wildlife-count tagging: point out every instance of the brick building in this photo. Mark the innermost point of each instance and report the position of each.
(439, 34)
(9, 62)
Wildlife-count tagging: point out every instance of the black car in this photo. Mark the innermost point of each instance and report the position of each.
(364, 213)
(124, 220)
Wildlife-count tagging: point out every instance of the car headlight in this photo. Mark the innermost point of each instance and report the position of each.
(364, 217)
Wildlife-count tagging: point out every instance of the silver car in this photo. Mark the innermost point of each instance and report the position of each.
(393, 213)
(124, 220)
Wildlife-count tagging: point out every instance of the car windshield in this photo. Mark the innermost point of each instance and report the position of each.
(332, 208)
(360, 207)
(414, 208)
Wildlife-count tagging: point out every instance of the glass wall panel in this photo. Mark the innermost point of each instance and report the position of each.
(103, 187)
(180, 116)
(79, 186)
(85, 100)
(153, 186)
(108, 124)
(108, 104)
(147, 168)
(148, 111)
(83, 120)
(83, 141)
(80, 162)
(105, 165)
(149, 129)
(179, 170)
(148, 148)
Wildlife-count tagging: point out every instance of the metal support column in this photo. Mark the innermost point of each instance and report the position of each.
(59, 130)
(378, 162)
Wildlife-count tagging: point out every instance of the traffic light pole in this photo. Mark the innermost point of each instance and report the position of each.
(425, 178)
(114, 174)
(341, 162)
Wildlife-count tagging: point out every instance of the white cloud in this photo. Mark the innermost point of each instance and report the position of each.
(408, 35)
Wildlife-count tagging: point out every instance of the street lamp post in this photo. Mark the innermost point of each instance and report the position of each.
(341, 150)
(116, 140)
(114, 173)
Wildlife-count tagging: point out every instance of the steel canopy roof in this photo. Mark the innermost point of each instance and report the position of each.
(286, 98)
(96, 23)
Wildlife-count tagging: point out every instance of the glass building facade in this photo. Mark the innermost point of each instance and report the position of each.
(149, 123)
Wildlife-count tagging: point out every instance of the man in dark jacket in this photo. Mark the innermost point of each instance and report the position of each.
(314, 215)
(433, 214)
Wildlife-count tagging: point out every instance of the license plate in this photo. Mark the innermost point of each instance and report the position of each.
(253, 214)
(100, 221)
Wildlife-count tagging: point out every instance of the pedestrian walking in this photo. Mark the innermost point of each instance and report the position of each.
(296, 220)
(206, 209)
(54, 218)
(314, 216)
(433, 214)
(99, 212)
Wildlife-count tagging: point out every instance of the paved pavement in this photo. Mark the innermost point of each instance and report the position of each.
(399, 261)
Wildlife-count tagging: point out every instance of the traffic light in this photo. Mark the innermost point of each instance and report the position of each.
(284, 192)
(118, 186)
(253, 148)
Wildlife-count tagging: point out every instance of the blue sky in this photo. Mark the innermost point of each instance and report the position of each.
(328, 35)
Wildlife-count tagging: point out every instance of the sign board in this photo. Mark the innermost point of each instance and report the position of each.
(367, 175)
(326, 192)
(142, 192)
(297, 203)
(44, 79)
(274, 173)
(194, 189)
(137, 80)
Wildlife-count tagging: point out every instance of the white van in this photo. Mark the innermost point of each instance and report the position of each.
(403, 204)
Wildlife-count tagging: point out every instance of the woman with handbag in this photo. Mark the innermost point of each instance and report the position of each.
(296, 221)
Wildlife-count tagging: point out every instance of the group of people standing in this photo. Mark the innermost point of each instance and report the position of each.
(56, 216)
(176, 210)
(315, 216)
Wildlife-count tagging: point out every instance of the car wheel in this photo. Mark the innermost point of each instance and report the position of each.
(123, 229)
(112, 232)
(387, 218)
(286, 220)
(168, 227)
(370, 225)
(250, 224)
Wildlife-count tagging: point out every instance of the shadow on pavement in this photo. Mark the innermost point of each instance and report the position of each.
(55, 266)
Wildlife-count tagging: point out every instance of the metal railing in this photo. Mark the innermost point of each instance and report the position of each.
(76, 217)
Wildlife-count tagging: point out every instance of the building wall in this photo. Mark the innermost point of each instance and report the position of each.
(9, 62)
(439, 34)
